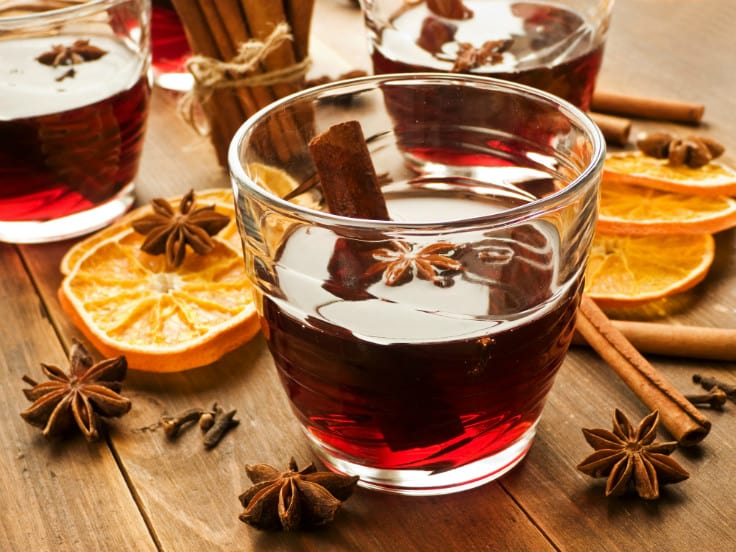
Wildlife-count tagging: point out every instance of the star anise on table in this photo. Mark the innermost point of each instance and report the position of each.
(630, 458)
(400, 262)
(79, 52)
(293, 499)
(82, 397)
(169, 232)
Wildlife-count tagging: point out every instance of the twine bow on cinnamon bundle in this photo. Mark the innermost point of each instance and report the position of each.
(246, 54)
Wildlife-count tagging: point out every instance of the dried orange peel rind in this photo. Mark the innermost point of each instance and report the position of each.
(634, 167)
(639, 210)
(632, 270)
(126, 303)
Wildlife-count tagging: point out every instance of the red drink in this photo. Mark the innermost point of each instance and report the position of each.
(68, 143)
(548, 47)
(420, 376)
(169, 48)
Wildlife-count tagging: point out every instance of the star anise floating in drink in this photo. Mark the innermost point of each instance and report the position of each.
(293, 499)
(400, 262)
(470, 57)
(630, 458)
(81, 398)
(79, 52)
(169, 232)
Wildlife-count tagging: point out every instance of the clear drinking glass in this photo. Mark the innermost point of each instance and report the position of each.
(556, 46)
(75, 89)
(433, 383)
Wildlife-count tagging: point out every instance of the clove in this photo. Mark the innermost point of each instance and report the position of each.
(172, 425)
(222, 422)
(715, 398)
(709, 383)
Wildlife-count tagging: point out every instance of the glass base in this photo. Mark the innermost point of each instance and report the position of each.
(425, 482)
(70, 226)
(176, 81)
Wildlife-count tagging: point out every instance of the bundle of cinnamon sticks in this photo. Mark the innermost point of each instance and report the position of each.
(217, 31)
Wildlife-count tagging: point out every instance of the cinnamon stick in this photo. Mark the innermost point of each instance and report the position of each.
(262, 18)
(202, 41)
(348, 178)
(686, 424)
(236, 32)
(299, 13)
(647, 108)
(678, 341)
(615, 130)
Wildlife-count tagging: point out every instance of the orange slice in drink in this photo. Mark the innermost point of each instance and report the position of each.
(632, 270)
(715, 178)
(638, 210)
(127, 303)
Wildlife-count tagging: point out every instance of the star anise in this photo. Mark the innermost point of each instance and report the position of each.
(400, 262)
(293, 499)
(79, 52)
(630, 458)
(82, 397)
(168, 232)
(469, 57)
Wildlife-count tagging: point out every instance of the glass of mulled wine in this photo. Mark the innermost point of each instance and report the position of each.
(75, 90)
(417, 352)
(555, 46)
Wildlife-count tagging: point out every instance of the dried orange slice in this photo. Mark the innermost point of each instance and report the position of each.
(638, 210)
(222, 198)
(127, 303)
(631, 270)
(715, 178)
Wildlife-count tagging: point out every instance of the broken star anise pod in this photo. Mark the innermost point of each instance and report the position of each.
(169, 232)
(400, 261)
(630, 458)
(79, 52)
(293, 499)
(88, 392)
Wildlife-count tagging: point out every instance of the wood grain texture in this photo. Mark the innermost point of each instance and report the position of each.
(75, 497)
(55, 496)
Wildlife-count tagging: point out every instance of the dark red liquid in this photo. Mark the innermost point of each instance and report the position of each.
(62, 163)
(387, 377)
(571, 75)
(169, 46)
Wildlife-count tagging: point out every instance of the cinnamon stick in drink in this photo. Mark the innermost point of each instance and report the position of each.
(350, 186)
(348, 179)
(647, 108)
(685, 422)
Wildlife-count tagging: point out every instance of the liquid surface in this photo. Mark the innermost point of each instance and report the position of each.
(31, 89)
(71, 144)
(549, 47)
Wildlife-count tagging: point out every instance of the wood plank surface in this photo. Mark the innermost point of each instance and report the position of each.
(139, 491)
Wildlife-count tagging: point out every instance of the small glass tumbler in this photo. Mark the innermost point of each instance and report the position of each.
(75, 90)
(556, 46)
(418, 352)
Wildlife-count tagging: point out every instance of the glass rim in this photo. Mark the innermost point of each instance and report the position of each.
(57, 14)
(530, 210)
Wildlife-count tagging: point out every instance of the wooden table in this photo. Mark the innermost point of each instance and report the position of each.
(137, 491)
